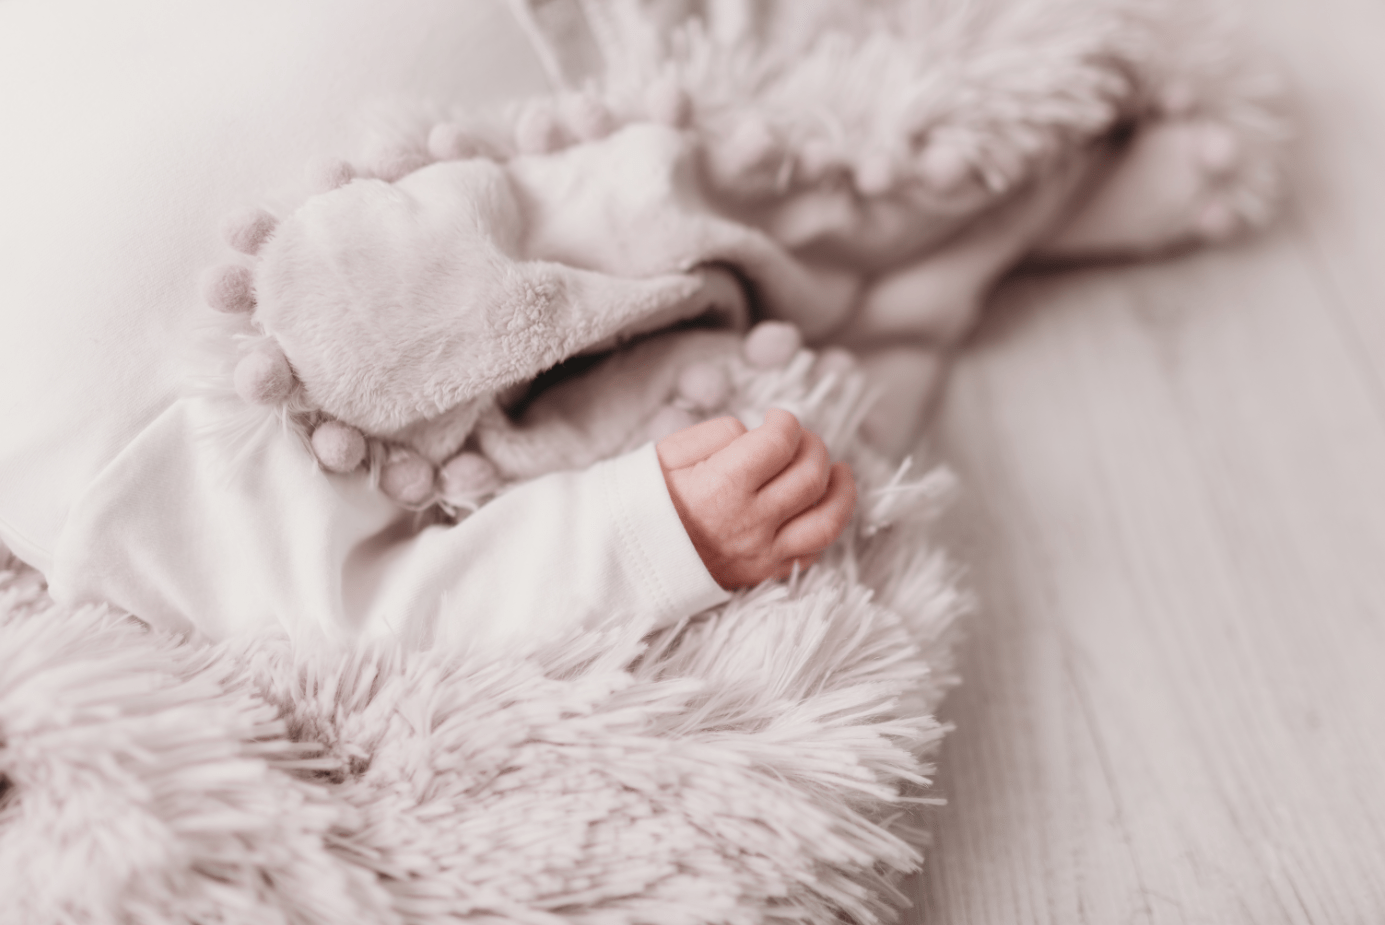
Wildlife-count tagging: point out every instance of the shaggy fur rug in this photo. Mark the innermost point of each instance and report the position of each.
(754, 764)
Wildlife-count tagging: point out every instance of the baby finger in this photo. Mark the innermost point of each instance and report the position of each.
(758, 456)
(696, 443)
(819, 526)
(802, 484)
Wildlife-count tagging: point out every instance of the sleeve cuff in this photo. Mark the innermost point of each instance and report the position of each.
(662, 557)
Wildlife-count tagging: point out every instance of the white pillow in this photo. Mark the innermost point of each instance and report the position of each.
(127, 130)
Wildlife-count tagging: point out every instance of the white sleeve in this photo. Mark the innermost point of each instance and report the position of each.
(181, 536)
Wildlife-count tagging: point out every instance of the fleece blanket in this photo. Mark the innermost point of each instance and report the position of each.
(721, 196)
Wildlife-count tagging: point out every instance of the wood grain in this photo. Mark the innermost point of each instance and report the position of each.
(1173, 708)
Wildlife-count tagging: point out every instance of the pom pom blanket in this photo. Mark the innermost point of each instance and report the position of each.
(818, 164)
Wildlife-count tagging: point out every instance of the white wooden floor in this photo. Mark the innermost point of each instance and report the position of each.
(1173, 706)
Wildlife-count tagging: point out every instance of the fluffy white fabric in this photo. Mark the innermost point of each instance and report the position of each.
(931, 108)
(750, 768)
(755, 764)
(506, 269)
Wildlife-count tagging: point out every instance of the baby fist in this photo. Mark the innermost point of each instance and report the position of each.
(756, 502)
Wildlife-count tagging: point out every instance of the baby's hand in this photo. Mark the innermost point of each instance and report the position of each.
(756, 502)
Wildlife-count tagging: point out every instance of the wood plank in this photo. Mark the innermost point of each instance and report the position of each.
(1333, 61)
(1173, 708)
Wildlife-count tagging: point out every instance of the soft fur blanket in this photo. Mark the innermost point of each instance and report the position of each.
(758, 762)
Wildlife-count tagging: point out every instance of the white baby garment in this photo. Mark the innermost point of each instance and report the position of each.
(185, 534)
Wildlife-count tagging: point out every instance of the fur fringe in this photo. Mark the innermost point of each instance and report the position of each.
(1009, 86)
(755, 764)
